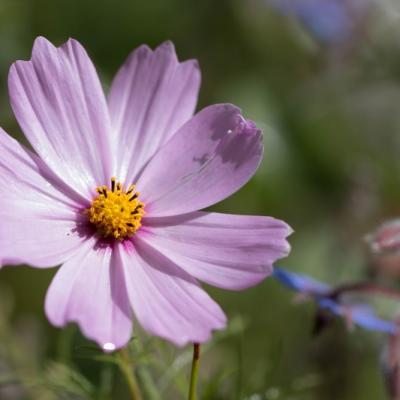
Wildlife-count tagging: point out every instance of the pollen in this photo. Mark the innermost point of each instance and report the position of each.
(116, 213)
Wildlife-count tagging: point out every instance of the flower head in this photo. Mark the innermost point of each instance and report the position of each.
(325, 298)
(113, 190)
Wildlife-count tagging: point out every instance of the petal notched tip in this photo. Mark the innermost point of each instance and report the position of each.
(191, 63)
(247, 127)
(42, 46)
(239, 138)
(283, 231)
(165, 49)
(168, 50)
(288, 231)
(107, 346)
(39, 43)
(239, 124)
(200, 337)
(72, 45)
(141, 52)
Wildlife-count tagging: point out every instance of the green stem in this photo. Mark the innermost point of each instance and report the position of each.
(127, 368)
(194, 375)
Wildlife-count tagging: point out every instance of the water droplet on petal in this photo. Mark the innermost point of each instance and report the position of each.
(109, 346)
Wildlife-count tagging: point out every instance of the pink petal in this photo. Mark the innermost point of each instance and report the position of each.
(38, 238)
(228, 251)
(167, 301)
(151, 97)
(59, 103)
(38, 213)
(89, 290)
(209, 158)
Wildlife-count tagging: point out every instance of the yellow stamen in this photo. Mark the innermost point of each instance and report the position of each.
(114, 212)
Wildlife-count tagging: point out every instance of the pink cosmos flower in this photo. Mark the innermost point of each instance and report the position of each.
(74, 201)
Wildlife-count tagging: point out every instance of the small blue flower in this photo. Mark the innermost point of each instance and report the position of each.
(359, 314)
(300, 282)
(330, 21)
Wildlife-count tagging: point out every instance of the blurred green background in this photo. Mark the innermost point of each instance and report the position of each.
(329, 105)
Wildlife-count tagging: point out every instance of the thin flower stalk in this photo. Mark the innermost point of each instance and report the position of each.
(194, 374)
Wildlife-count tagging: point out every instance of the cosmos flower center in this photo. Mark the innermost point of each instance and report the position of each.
(115, 212)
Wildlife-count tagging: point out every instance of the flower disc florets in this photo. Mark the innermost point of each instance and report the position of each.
(114, 212)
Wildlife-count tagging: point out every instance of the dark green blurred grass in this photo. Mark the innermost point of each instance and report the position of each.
(331, 166)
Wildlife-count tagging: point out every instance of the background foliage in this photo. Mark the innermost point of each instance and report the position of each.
(329, 105)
